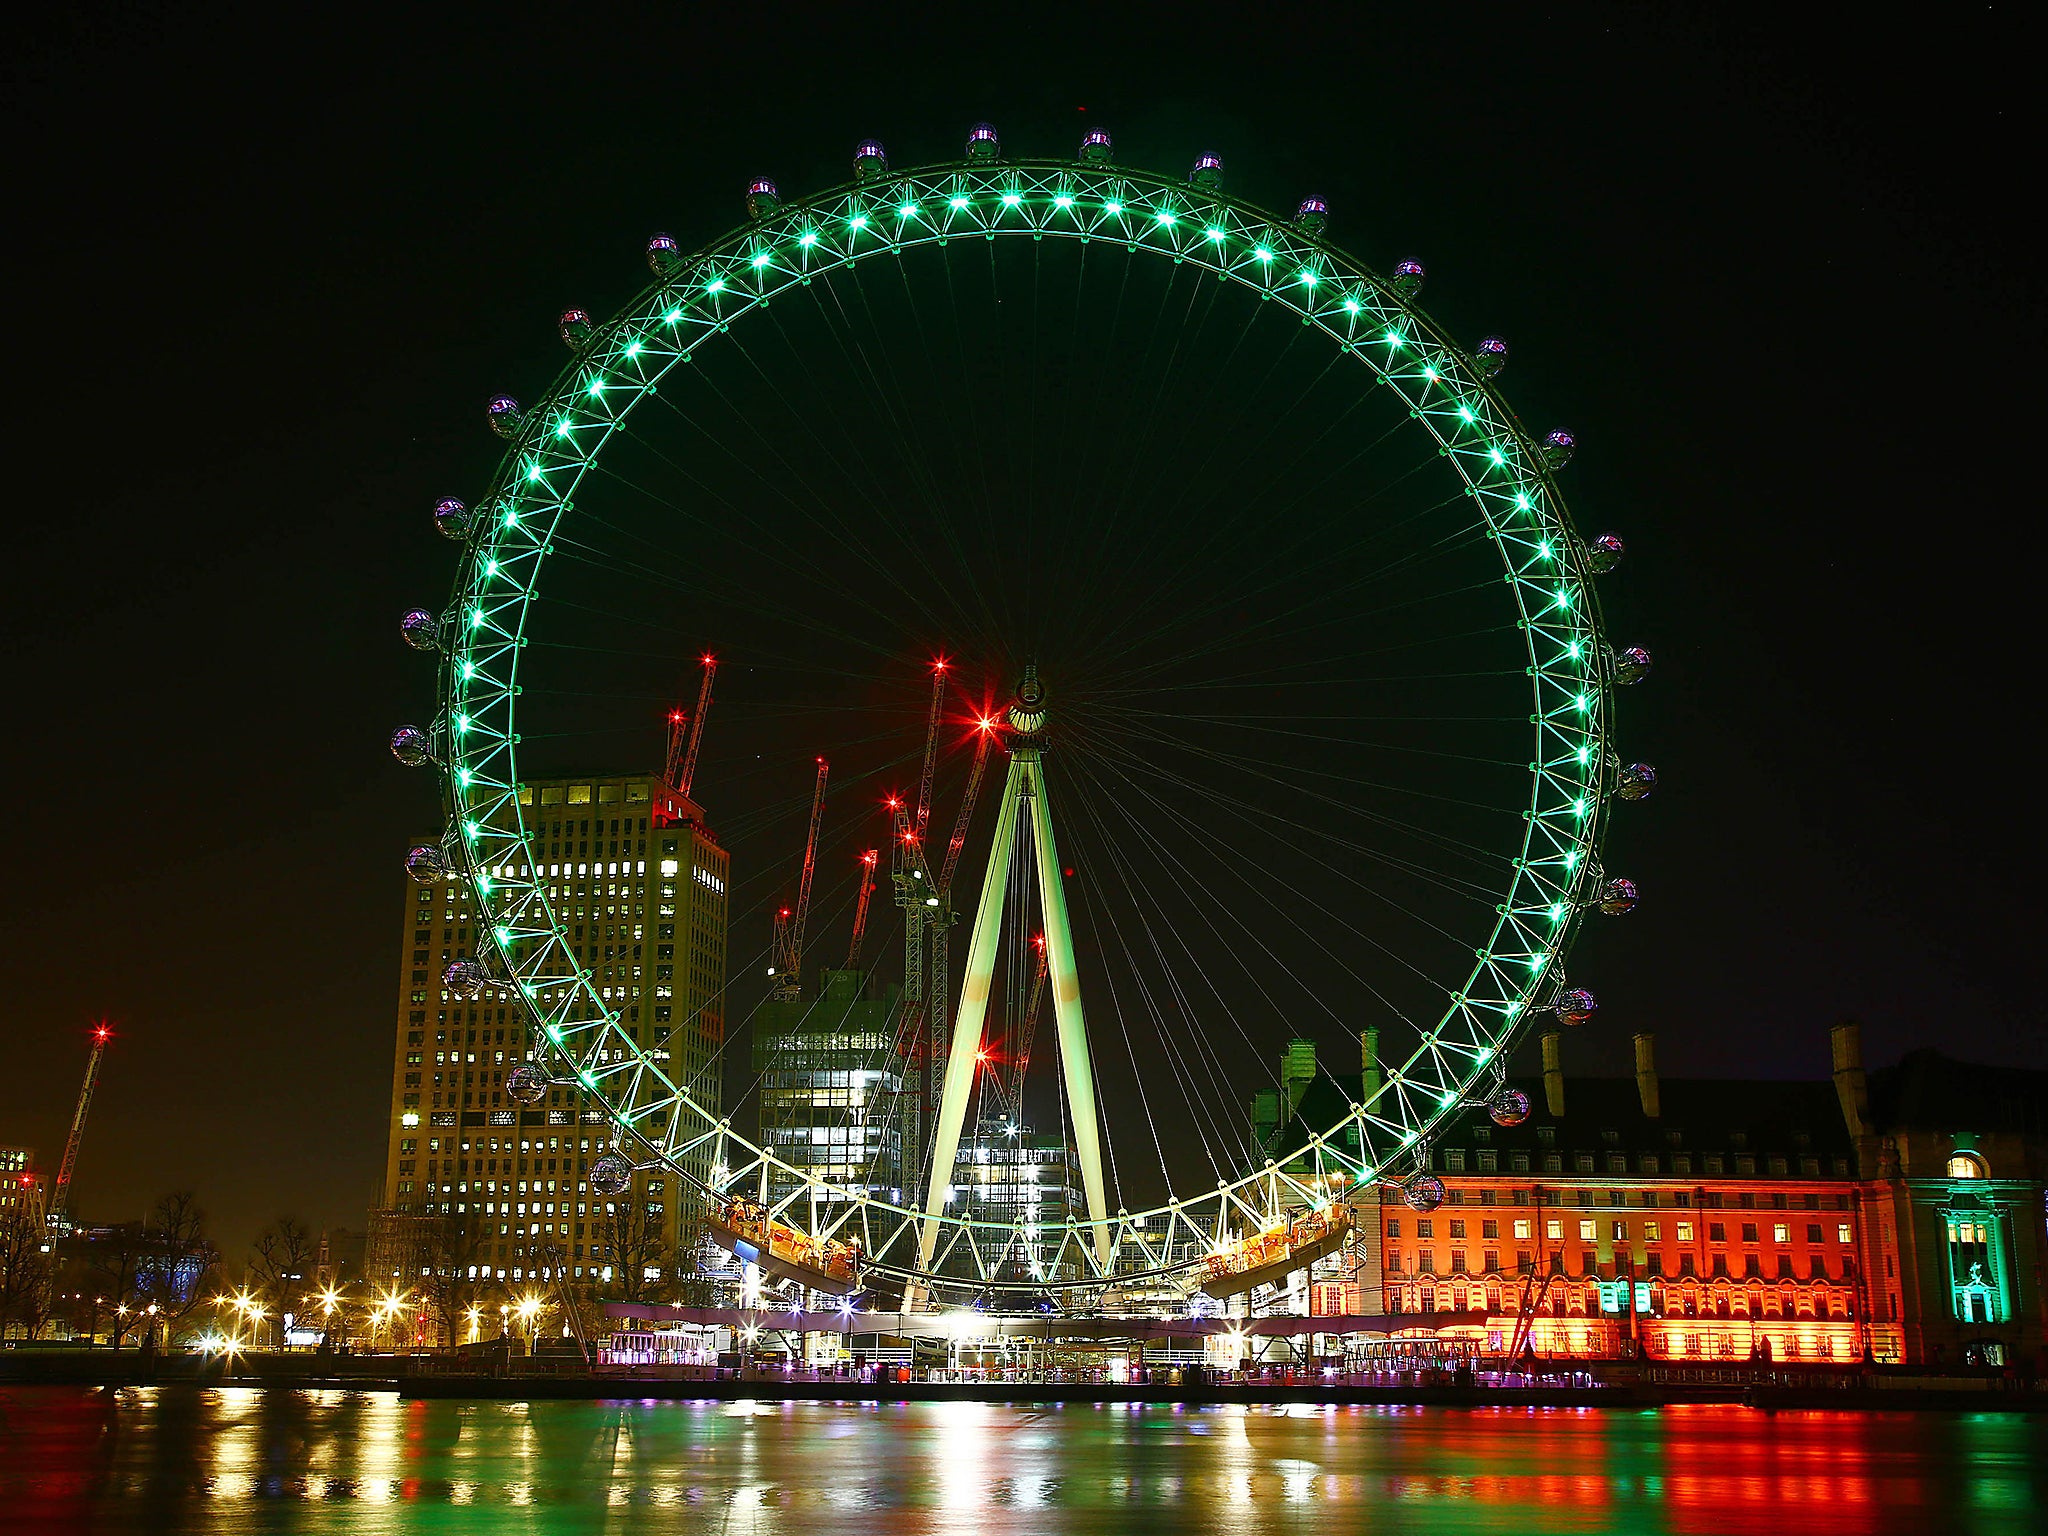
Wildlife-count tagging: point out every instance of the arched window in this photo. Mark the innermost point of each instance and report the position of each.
(1966, 1165)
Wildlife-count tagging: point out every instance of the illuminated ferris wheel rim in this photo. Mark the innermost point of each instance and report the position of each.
(1517, 968)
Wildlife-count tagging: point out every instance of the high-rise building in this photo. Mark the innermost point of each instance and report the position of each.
(479, 1183)
(21, 1186)
(831, 1083)
(1027, 1186)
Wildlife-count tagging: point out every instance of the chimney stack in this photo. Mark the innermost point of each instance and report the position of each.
(1852, 1087)
(1553, 1074)
(1646, 1075)
(1369, 1052)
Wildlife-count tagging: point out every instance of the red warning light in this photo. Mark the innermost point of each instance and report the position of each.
(103, 1032)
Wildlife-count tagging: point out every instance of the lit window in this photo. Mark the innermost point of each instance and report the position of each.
(1781, 1232)
(1965, 1165)
(1842, 1234)
(1586, 1230)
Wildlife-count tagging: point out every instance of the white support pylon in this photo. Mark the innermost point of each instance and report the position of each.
(1023, 795)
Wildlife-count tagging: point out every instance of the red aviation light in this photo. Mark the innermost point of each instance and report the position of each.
(939, 664)
(103, 1032)
(868, 858)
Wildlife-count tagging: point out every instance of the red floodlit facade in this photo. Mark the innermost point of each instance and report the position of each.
(1898, 1217)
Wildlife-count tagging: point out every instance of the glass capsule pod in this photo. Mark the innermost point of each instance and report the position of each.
(576, 329)
(1631, 666)
(1605, 553)
(1490, 357)
(1207, 175)
(610, 1175)
(664, 257)
(1637, 780)
(1575, 1005)
(465, 978)
(1312, 217)
(1618, 896)
(526, 1084)
(982, 143)
(507, 416)
(1422, 1191)
(1096, 148)
(1509, 1107)
(1408, 278)
(870, 161)
(421, 630)
(410, 746)
(426, 864)
(1558, 448)
(451, 518)
(762, 198)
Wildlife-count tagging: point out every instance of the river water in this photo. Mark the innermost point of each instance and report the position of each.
(254, 1460)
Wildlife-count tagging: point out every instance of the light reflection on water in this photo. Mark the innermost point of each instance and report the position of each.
(242, 1459)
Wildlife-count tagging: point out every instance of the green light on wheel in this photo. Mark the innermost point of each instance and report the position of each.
(1564, 597)
(468, 670)
(476, 618)
(1465, 414)
(1543, 550)
(596, 388)
(907, 211)
(673, 317)
(1063, 201)
(1012, 199)
(1262, 253)
(1521, 501)
(1351, 306)
(1309, 279)
(1582, 703)
(562, 429)
(1557, 911)
(1214, 234)
(956, 202)
(807, 239)
(532, 472)
(462, 725)
(716, 285)
(1394, 340)
(1429, 372)
(858, 222)
(1497, 456)
(1112, 209)
(633, 348)
(761, 260)
(1166, 216)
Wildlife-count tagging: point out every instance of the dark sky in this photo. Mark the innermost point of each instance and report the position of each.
(1772, 269)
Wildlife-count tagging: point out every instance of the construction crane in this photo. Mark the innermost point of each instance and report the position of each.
(868, 860)
(1020, 1051)
(678, 739)
(687, 774)
(60, 1197)
(789, 926)
(931, 746)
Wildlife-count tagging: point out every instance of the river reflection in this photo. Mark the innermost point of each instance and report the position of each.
(240, 1460)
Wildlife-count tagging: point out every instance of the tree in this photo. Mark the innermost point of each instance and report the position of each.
(179, 1265)
(282, 1259)
(451, 1252)
(27, 1291)
(632, 1237)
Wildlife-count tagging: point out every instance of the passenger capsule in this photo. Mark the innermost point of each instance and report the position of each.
(1637, 780)
(1558, 448)
(426, 864)
(664, 257)
(576, 329)
(1422, 1191)
(1605, 553)
(1617, 897)
(526, 1084)
(1207, 176)
(610, 1175)
(465, 978)
(1509, 1107)
(1490, 357)
(982, 143)
(1575, 1005)
(451, 519)
(870, 161)
(1631, 666)
(507, 417)
(1312, 217)
(410, 746)
(1408, 276)
(421, 630)
(1096, 148)
(762, 198)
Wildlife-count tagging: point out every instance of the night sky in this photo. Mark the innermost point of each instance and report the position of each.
(1772, 271)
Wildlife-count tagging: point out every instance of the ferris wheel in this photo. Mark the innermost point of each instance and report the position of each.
(1276, 621)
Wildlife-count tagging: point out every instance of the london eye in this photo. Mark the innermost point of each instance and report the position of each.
(1172, 559)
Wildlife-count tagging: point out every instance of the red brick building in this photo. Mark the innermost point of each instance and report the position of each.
(1899, 1216)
